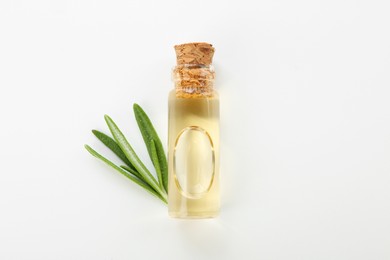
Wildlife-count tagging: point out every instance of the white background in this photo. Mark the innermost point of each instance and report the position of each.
(305, 126)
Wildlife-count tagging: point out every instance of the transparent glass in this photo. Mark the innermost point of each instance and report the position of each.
(193, 153)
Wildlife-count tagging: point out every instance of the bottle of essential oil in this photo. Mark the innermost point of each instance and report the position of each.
(193, 152)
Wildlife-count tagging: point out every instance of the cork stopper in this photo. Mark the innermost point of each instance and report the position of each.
(194, 53)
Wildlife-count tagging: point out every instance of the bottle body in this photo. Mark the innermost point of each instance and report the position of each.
(193, 154)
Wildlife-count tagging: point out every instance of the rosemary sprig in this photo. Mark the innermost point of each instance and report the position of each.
(134, 168)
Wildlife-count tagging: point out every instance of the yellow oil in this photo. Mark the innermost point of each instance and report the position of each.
(193, 155)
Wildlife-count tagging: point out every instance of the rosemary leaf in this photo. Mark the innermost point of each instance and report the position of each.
(122, 171)
(156, 163)
(149, 133)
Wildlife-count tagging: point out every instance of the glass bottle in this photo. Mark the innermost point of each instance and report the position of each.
(193, 143)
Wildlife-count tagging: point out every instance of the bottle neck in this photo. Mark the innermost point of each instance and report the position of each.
(193, 80)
